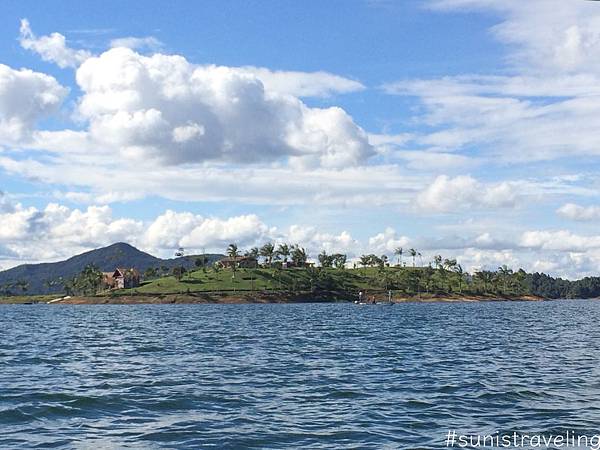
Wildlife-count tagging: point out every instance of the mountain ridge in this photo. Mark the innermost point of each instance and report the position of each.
(120, 254)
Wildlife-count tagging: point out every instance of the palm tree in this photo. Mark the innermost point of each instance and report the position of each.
(504, 273)
(384, 260)
(486, 277)
(268, 251)
(449, 264)
(324, 259)
(299, 256)
(232, 251)
(283, 250)
(413, 254)
(399, 251)
(459, 271)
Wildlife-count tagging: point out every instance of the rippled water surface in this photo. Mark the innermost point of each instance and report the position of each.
(294, 376)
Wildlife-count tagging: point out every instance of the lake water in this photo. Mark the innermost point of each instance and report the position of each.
(295, 376)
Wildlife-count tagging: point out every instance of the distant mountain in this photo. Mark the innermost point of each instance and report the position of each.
(106, 259)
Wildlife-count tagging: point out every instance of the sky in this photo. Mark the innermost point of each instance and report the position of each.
(466, 128)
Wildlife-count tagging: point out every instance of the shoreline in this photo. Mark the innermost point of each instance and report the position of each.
(259, 298)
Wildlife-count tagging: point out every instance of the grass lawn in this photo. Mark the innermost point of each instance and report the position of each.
(264, 280)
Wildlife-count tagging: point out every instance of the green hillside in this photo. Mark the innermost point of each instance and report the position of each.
(402, 280)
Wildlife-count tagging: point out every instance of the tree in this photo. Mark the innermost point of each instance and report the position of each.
(413, 254)
(254, 252)
(299, 256)
(150, 273)
(384, 260)
(459, 271)
(375, 261)
(88, 281)
(486, 277)
(339, 260)
(399, 251)
(268, 251)
(428, 276)
(232, 251)
(179, 272)
(449, 264)
(365, 260)
(325, 260)
(284, 251)
(504, 273)
(216, 269)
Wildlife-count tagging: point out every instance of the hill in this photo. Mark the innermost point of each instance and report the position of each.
(39, 276)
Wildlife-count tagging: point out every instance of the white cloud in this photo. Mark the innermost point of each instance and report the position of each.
(138, 43)
(546, 34)
(56, 232)
(316, 241)
(561, 240)
(387, 242)
(171, 230)
(546, 108)
(110, 181)
(52, 48)
(447, 194)
(303, 84)
(164, 108)
(25, 97)
(577, 212)
(500, 119)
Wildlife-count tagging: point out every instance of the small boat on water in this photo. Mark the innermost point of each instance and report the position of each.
(372, 301)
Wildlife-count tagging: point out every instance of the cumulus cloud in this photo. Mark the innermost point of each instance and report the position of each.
(316, 241)
(52, 48)
(162, 107)
(56, 231)
(560, 240)
(173, 229)
(580, 213)
(26, 97)
(447, 194)
(387, 242)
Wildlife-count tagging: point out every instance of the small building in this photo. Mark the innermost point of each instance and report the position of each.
(292, 264)
(121, 278)
(241, 262)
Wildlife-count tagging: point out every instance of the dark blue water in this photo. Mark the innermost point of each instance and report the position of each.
(295, 376)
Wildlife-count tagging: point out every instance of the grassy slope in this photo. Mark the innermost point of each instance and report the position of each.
(347, 280)
(250, 279)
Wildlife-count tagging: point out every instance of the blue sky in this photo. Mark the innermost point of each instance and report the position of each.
(460, 127)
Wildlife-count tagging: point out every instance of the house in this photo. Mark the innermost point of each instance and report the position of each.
(242, 262)
(121, 278)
